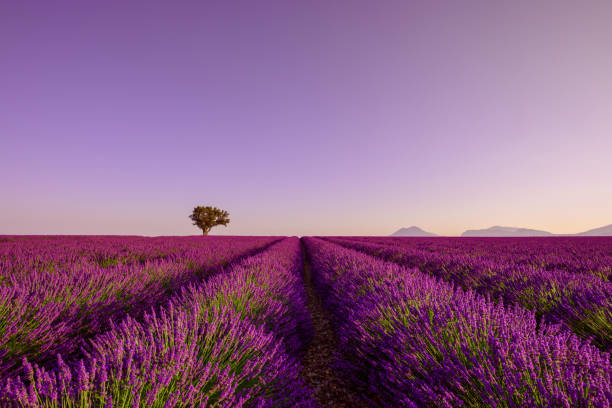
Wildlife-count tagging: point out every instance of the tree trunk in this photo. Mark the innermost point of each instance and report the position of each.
(204, 232)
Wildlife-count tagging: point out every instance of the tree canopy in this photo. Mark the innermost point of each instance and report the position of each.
(207, 217)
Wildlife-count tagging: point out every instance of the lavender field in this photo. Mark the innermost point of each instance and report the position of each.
(107, 321)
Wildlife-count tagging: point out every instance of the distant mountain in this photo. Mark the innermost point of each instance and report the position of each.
(498, 231)
(412, 232)
(598, 232)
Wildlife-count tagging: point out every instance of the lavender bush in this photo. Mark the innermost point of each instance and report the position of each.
(54, 293)
(197, 351)
(586, 255)
(581, 302)
(411, 340)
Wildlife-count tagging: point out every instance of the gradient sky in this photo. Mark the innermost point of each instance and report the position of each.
(302, 118)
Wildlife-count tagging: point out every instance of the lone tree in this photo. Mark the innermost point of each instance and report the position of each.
(207, 217)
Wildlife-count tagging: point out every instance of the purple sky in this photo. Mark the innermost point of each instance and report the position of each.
(323, 117)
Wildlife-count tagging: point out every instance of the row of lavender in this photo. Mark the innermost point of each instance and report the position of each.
(581, 302)
(31, 254)
(588, 255)
(409, 339)
(58, 292)
(230, 341)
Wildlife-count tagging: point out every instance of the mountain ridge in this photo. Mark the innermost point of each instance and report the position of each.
(604, 231)
(413, 231)
(499, 231)
(502, 231)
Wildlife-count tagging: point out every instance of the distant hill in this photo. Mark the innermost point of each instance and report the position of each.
(412, 232)
(498, 231)
(598, 232)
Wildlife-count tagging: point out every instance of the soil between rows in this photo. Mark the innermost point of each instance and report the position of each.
(318, 372)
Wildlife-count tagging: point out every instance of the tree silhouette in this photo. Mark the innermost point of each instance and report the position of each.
(207, 217)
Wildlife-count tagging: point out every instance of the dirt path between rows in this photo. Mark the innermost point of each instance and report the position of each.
(318, 373)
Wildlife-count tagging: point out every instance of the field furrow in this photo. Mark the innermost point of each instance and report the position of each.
(320, 372)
